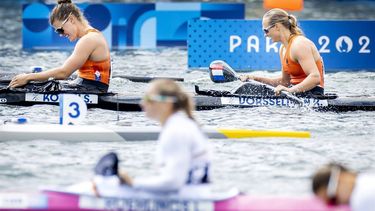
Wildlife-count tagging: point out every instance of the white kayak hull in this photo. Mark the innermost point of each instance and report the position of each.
(85, 133)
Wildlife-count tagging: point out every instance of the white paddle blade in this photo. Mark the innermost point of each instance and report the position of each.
(221, 72)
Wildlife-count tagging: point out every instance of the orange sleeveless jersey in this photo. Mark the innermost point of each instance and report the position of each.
(294, 69)
(96, 70)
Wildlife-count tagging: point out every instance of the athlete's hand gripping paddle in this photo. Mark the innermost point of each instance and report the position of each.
(221, 72)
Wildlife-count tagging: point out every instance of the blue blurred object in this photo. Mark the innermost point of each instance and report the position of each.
(37, 69)
(140, 25)
(17, 120)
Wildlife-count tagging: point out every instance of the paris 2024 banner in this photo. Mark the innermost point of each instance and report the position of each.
(344, 45)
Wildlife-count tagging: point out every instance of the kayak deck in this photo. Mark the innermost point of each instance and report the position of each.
(112, 101)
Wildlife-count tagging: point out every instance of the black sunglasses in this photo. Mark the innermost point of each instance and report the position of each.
(60, 30)
(267, 30)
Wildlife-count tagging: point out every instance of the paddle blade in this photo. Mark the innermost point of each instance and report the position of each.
(244, 133)
(146, 79)
(221, 72)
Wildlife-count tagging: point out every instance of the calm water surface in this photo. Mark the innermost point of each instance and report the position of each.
(256, 166)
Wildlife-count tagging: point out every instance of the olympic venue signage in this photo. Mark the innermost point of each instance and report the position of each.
(134, 25)
(344, 45)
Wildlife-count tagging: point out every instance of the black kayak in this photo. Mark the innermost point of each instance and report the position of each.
(246, 95)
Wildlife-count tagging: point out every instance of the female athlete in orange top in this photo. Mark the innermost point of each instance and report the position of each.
(91, 54)
(302, 65)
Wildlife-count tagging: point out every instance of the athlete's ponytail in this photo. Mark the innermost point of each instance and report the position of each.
(294, 29)
(281, 16)
(182, 100)
(184, 103)
(63, 9)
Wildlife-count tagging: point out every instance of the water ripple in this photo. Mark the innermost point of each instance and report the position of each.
(258, 166)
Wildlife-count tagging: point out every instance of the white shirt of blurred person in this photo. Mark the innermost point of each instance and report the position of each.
(182, 155)
(336, 185)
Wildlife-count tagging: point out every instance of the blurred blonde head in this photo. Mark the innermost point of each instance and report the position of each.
(170, 96)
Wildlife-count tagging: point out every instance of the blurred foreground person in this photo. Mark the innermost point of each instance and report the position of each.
(182, 155)
(337, 185)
